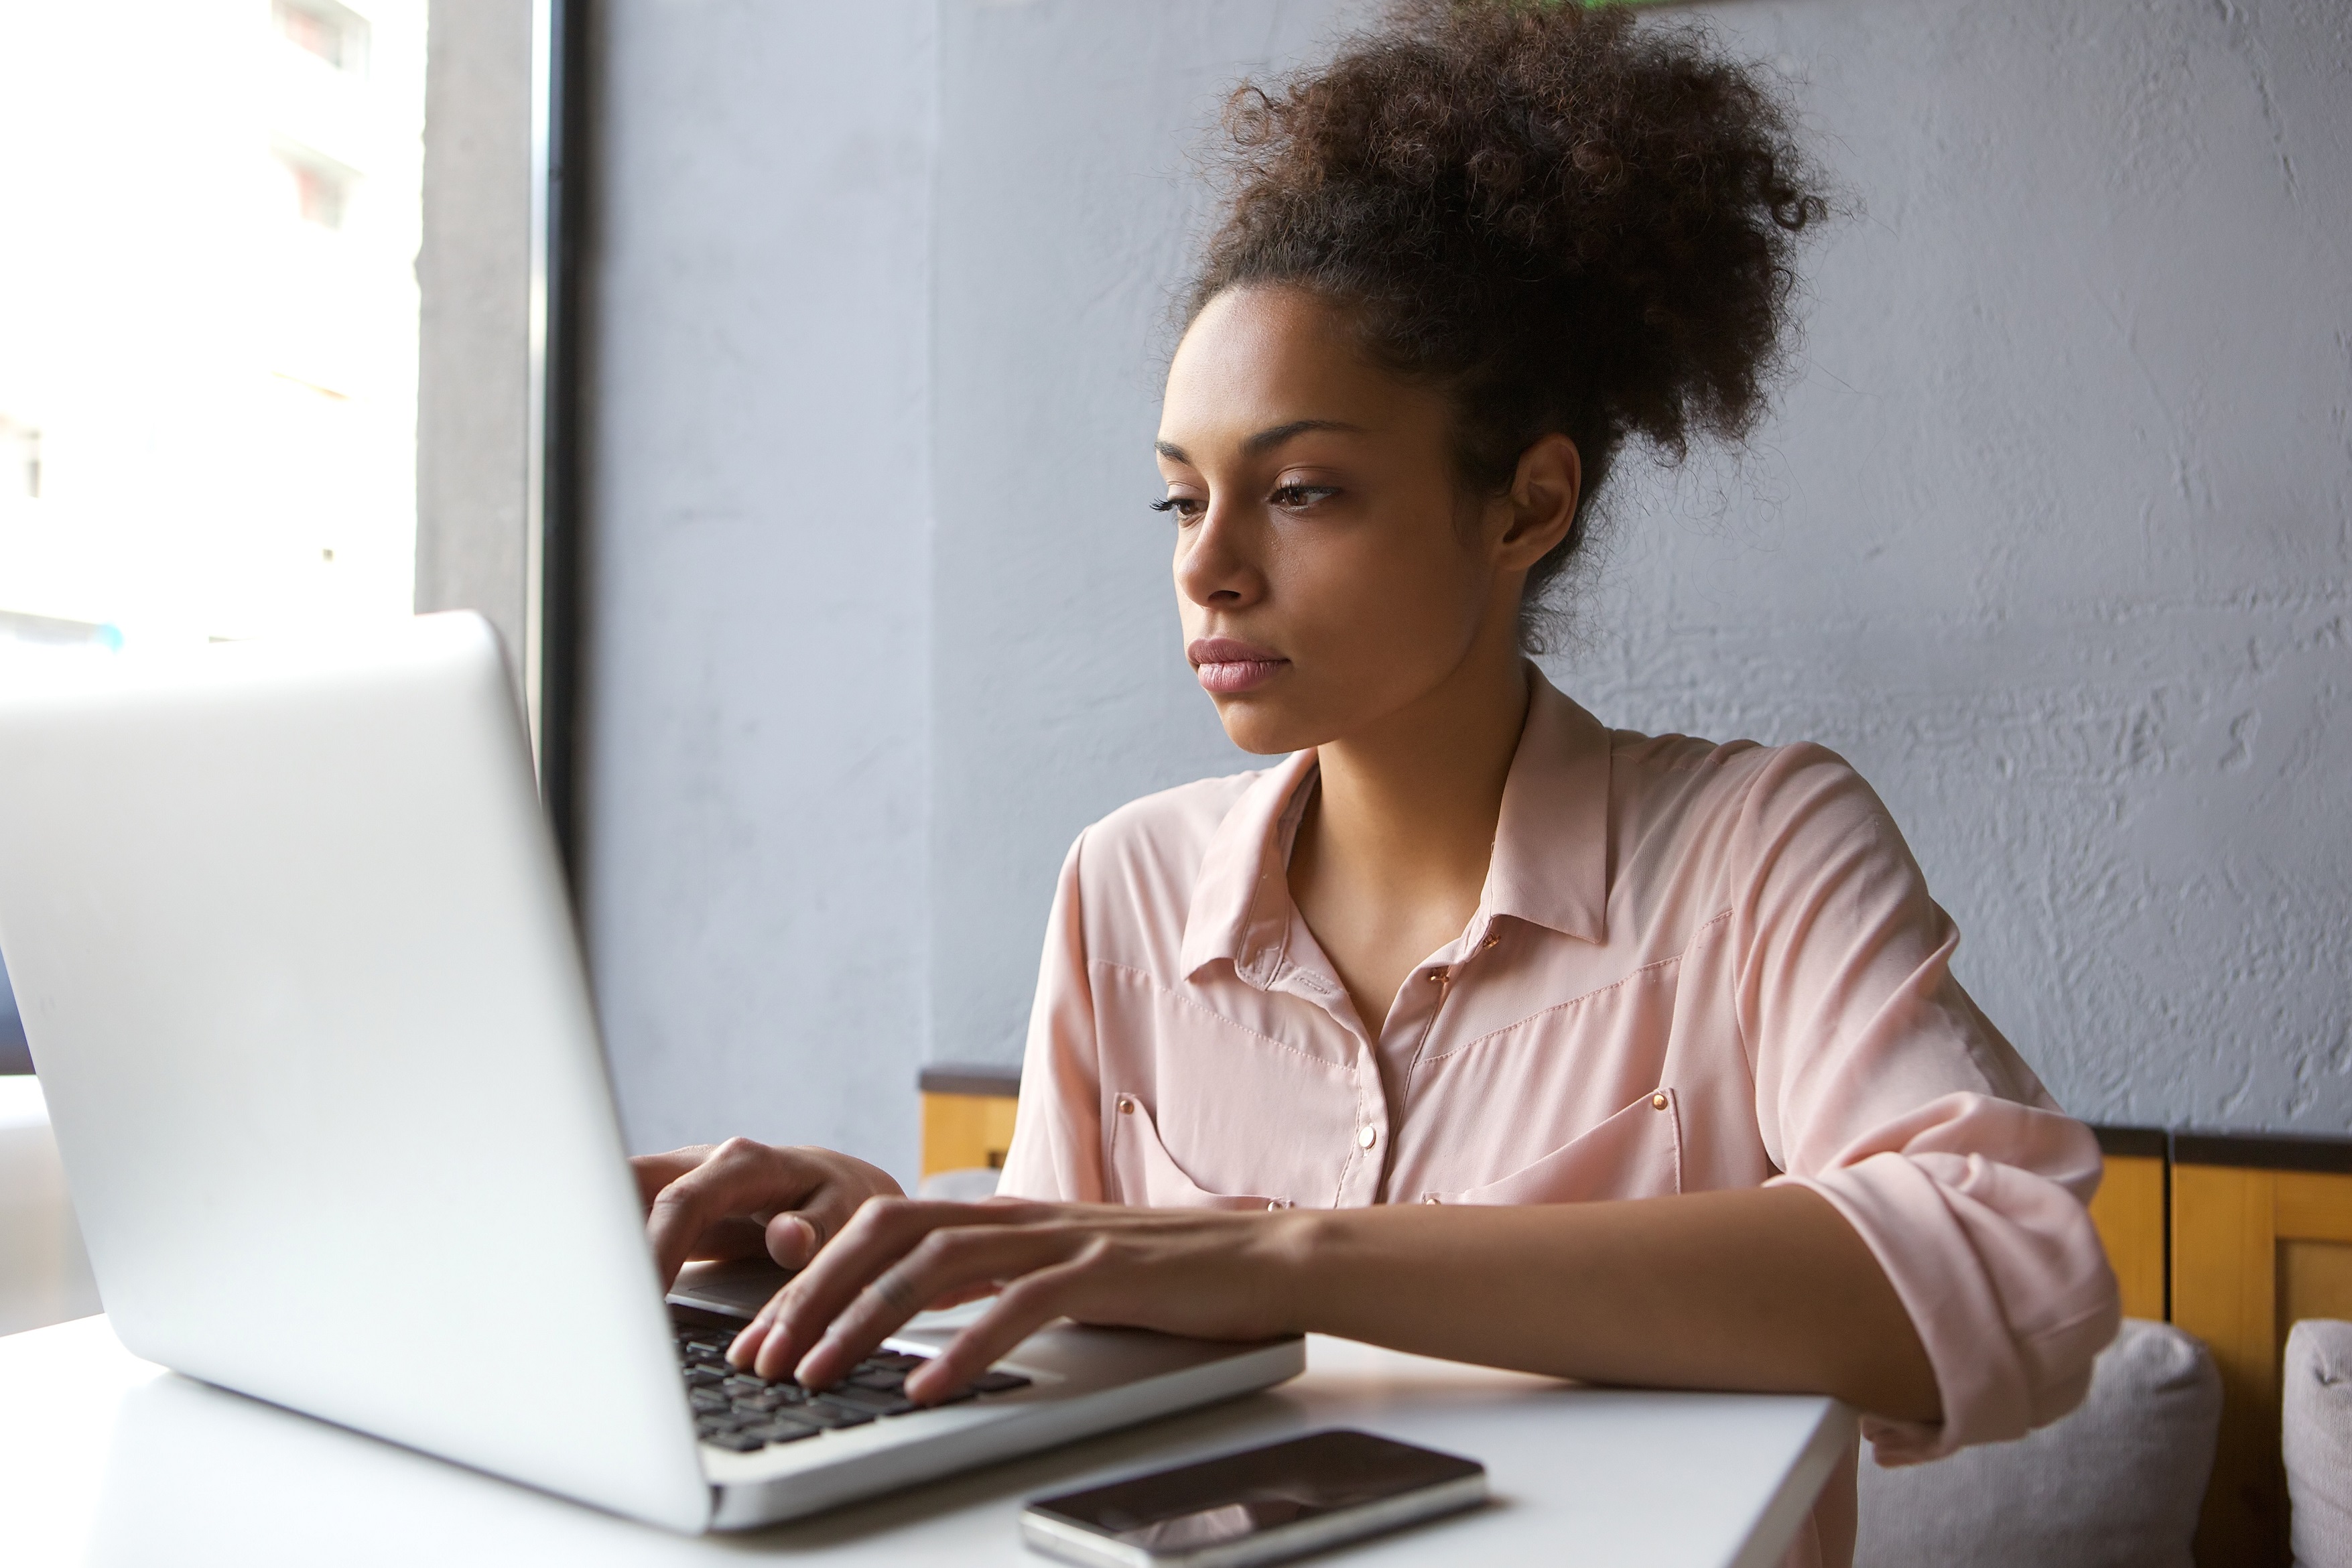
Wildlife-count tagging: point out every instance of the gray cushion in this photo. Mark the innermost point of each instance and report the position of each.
(2316, 1435)
(2116, 1482)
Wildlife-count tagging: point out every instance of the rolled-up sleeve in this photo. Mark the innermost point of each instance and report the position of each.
(1880, 1086)
(1056, 1153)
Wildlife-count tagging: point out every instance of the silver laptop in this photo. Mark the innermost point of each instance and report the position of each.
(294, 953)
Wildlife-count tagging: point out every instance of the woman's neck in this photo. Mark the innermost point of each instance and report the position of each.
(1392, 853)
(1421, 793)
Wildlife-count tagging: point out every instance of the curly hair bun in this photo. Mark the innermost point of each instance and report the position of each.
(1566, 219)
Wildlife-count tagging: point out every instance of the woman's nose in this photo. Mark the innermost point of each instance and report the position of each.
(1214, 566)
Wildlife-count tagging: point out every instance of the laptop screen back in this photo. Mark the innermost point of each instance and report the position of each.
(296, 962)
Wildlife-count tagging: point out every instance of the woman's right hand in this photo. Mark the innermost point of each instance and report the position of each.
(744, 1199)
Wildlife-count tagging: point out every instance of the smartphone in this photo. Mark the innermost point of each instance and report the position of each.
(1261, 1505)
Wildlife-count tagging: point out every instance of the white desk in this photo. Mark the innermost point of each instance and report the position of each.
(108, 1459)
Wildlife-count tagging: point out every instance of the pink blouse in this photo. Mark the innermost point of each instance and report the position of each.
(1692, 967)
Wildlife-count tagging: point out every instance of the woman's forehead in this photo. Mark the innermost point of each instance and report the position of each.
(1259, 359)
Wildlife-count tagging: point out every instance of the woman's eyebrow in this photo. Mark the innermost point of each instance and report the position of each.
(1265, 440)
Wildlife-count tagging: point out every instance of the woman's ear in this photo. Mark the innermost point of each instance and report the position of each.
(1543, 498)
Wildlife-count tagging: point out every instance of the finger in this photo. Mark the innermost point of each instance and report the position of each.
(738, 1178)
(654, 1172)
(730, 1238)
(870, 1242)
(1023, 1308)
(876, 1237)
(743, 1351)
(944, 1261)
(883, 1231)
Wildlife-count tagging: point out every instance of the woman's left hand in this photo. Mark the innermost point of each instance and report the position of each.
(1213, 1275)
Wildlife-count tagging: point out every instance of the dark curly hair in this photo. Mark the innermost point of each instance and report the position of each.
(1563, 219)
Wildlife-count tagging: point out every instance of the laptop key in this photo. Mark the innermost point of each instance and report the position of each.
(706, 1400)
(703, 1376)
(770, 1399)
(831, 1415)
(879, 1403)
(781, 1432)
(998, 1383)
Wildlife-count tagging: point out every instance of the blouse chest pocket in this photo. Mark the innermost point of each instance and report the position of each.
(1637, 1153)
(1146, 1175)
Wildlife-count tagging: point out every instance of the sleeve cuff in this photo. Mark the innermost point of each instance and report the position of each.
(1947, 1240)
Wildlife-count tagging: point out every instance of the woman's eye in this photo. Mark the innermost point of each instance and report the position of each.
(1186, 507)
(1291, 497)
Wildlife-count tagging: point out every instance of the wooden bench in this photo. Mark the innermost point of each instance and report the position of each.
(967, 1117)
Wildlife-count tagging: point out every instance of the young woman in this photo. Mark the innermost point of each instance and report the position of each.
(1471, 1026)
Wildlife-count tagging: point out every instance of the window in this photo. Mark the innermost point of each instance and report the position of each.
(209, 323)
(318, 187)
(332, 32)
(208, 392)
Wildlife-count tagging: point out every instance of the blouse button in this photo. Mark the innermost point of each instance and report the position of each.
(1431, 1198)
(1437, 977)
(1126, 1106)
(1366, 1137)
(1490, 941)
(1657, 1102)
(1274, 1203)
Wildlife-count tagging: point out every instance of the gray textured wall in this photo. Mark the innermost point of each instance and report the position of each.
(1064, 215)
(2051, 537)
(753, 779)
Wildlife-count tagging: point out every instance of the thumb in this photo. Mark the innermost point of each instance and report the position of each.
(792, 1241)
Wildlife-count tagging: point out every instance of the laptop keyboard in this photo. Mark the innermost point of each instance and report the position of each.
(733, 1409)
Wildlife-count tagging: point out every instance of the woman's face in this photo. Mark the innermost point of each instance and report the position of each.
(1329, 572)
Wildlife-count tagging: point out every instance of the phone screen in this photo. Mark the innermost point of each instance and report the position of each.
(1223, 1501)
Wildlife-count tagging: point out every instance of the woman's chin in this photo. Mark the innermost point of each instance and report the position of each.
(1265, 729)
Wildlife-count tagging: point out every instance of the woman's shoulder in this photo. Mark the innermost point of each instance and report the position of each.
(1684, 784)
(1138, 872)
(1169, 828)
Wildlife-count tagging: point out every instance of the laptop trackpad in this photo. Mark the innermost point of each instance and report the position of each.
(737, 1287)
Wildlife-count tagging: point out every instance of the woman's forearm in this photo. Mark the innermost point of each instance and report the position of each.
(1769, 1289)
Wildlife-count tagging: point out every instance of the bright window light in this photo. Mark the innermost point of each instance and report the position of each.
(335, 34)
(208, 392)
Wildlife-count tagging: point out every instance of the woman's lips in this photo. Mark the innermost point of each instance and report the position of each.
(1228, 667)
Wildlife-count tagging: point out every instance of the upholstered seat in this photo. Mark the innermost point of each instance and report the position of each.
(2316, 1437)
(2116, 1483)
